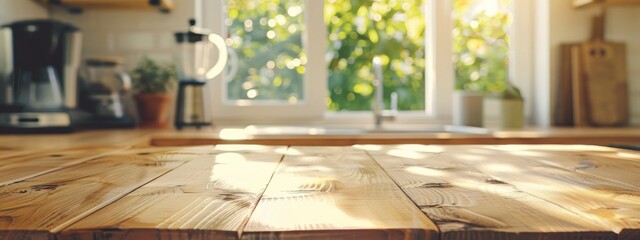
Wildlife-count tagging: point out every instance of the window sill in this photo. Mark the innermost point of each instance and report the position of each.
(344, 118)
(366, 117)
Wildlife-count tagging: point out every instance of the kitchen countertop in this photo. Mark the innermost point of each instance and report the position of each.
(114, 185)
(231, 135)
(595, 136)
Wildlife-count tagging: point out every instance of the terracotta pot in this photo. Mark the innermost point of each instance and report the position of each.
(153, 109)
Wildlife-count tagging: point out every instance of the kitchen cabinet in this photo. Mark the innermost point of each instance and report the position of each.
(586, 3)
(78, 5)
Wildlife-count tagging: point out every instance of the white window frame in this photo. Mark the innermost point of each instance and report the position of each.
(439, 81)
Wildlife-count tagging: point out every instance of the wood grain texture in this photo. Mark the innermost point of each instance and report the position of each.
(580, 111)
(127, 137)
(467, 204)
(46, 204)
(594, 198)
(209, 197)
(23, 157)
(563, 111)
(336, 193)
(613, 164)
(23, 166)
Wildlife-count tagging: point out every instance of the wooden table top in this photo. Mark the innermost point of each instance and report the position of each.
(114, 188)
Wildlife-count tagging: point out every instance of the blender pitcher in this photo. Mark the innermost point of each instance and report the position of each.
(200, 57)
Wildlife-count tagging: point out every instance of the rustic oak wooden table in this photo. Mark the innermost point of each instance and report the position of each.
(101, 186)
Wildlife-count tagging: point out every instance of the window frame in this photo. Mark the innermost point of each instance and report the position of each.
(439, 77)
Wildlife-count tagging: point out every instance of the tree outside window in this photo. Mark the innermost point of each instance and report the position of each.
(267, 36)
(481, 44)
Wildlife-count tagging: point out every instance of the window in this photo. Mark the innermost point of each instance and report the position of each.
(358, 31)
(298, 62)
(481, 44)
(267, 36)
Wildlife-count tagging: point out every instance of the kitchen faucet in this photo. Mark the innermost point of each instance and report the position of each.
(379, 112)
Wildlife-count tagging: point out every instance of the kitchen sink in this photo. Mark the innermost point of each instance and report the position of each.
(265, 130)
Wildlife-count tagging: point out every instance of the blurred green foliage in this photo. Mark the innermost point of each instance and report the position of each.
(267, 38)
(481, 44)
(358, 31)
(152, 77)
(266, 35)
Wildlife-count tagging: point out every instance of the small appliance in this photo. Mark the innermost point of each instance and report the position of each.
(39, 62)
(197, 63)
(106, 85)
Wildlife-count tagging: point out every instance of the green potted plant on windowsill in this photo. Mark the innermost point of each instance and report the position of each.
(152, 83)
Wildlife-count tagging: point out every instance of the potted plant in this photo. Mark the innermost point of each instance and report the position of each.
(152, 82)
(510, 106)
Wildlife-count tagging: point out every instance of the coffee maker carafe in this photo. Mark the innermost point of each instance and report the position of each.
(39, 61)
(196, 57)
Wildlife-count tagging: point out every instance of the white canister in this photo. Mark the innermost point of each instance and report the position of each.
(468, 108)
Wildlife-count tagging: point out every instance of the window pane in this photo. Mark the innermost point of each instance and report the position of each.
(481, 44)
(360, 30)
(266, 36)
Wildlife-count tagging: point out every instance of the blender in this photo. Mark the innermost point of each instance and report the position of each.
(197, 62)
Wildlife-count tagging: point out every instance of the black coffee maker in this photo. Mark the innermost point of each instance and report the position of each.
(39, 62)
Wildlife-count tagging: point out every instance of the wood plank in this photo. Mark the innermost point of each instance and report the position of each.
(44, 205)
(209, 197)
(125, 137)
(24, 166)
(467, 204)
(580, 111)
(593, 198)
(29, 156)
(335, 193)
(603, 162)
(563, 111)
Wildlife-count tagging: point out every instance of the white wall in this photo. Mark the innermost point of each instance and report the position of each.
(113, 32)
(16, 10)
(569, 25)
(129, 33)
(622, 25)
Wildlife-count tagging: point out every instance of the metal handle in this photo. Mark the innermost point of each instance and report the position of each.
(126, 81)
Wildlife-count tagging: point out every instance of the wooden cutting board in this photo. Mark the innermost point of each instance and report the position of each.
(571, 108)
(592, 89)
(604, 77)
(563, 114)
